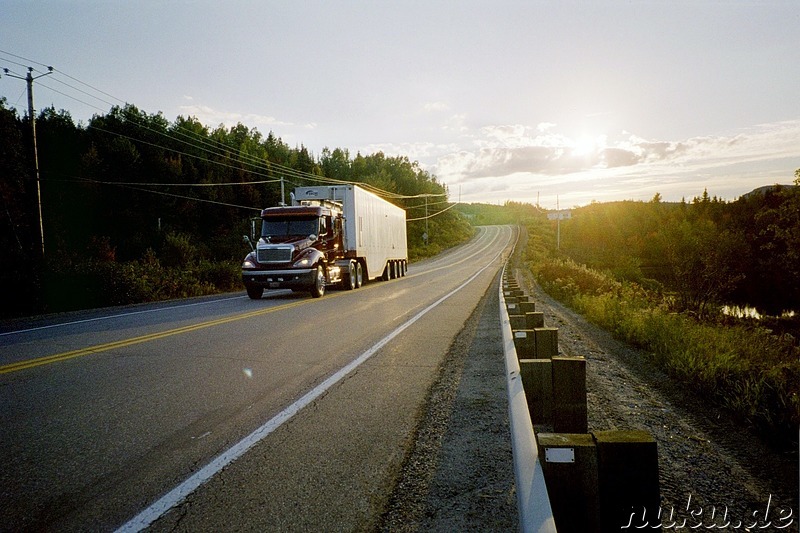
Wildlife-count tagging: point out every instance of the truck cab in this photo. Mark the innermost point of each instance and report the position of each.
(298, 249)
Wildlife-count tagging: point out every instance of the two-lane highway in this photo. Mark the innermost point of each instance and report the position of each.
(228, 413)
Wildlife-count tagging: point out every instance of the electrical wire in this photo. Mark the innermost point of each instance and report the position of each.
(162, 193)
(22, 58)
(433, 215)
(213, 147)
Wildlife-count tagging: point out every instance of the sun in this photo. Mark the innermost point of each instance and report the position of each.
(584, 145)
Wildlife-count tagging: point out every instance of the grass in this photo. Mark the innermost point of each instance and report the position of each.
(746, 369)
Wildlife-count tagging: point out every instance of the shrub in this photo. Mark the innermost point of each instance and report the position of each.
(748, 370)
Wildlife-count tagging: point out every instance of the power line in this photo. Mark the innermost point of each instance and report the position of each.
(27, 60)
(257, 165)
(162, 193)
(433, 215)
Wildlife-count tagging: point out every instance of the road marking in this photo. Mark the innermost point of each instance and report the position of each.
(31, 363)
(121, 315)
(179, 493)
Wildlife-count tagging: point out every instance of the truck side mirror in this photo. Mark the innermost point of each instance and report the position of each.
(253, 234)
(248, 241)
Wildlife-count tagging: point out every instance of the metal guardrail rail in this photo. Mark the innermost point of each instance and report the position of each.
(533, 502)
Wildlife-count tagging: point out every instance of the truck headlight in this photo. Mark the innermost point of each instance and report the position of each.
(304, 262)
(249, 262)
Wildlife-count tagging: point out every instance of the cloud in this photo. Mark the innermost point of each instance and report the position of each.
(436, 106)
(214, 117)
(618, 157)
(621, 165)
(414, 151)
(502, 150)
(456, 123)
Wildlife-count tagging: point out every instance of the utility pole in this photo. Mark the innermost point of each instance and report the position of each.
(32, 117)
(558, 225)
(426, 236)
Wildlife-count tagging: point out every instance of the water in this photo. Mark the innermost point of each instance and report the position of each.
(750, 312)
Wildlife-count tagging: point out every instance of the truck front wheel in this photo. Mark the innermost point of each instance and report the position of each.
(255, 293)
(318, 289)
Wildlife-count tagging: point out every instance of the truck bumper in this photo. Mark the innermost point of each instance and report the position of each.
(301, 278)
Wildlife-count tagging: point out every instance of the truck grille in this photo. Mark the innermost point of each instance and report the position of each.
(274, 255)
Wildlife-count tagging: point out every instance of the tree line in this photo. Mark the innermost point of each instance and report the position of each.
(708, 251)
(137, 207)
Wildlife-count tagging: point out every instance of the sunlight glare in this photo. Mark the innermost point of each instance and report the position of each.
(583, 146)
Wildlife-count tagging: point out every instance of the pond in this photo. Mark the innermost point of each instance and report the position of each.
(739, 311)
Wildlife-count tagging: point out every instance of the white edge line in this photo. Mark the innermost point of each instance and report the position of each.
(179, 493)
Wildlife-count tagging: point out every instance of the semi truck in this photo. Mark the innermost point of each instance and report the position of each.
(332, 235)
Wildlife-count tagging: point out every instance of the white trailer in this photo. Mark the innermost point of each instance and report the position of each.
(374, 229)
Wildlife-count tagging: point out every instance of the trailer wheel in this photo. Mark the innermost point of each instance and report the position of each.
(350, 281)
(255, 293)
(318, 289)
(359, 275)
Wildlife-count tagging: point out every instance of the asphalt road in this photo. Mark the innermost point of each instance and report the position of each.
(286, 413)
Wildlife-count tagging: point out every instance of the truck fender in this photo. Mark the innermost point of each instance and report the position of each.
(313, 256)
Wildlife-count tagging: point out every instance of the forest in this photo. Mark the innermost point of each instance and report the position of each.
(663, 277)
(137, 208)
(708, 252)
(659, 275)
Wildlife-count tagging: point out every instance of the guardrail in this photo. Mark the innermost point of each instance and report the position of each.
(567, 477)
(535, 513)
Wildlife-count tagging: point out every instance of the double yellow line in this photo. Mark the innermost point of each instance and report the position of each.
(31, 363)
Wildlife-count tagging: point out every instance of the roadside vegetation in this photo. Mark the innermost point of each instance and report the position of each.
(136, 208)
(657, 275)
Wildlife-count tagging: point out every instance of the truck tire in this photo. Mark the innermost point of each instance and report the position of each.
(255, 293)
(349, 282)
(318, 288)
(359, 275)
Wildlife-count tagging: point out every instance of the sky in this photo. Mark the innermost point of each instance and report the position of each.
(559, 103)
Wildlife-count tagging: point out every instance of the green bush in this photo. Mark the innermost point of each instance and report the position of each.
(72, 286)
(748, 370)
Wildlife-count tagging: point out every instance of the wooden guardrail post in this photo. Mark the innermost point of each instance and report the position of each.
(569, 463)
(517, 321)
(534, 320)
(546, 342)
(524, 343)
(627, 463)
(537, 382)
(569, 395)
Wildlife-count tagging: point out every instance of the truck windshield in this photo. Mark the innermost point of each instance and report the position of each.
(290, 227)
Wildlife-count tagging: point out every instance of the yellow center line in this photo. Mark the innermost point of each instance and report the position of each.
(31, 363)
(46, 360)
